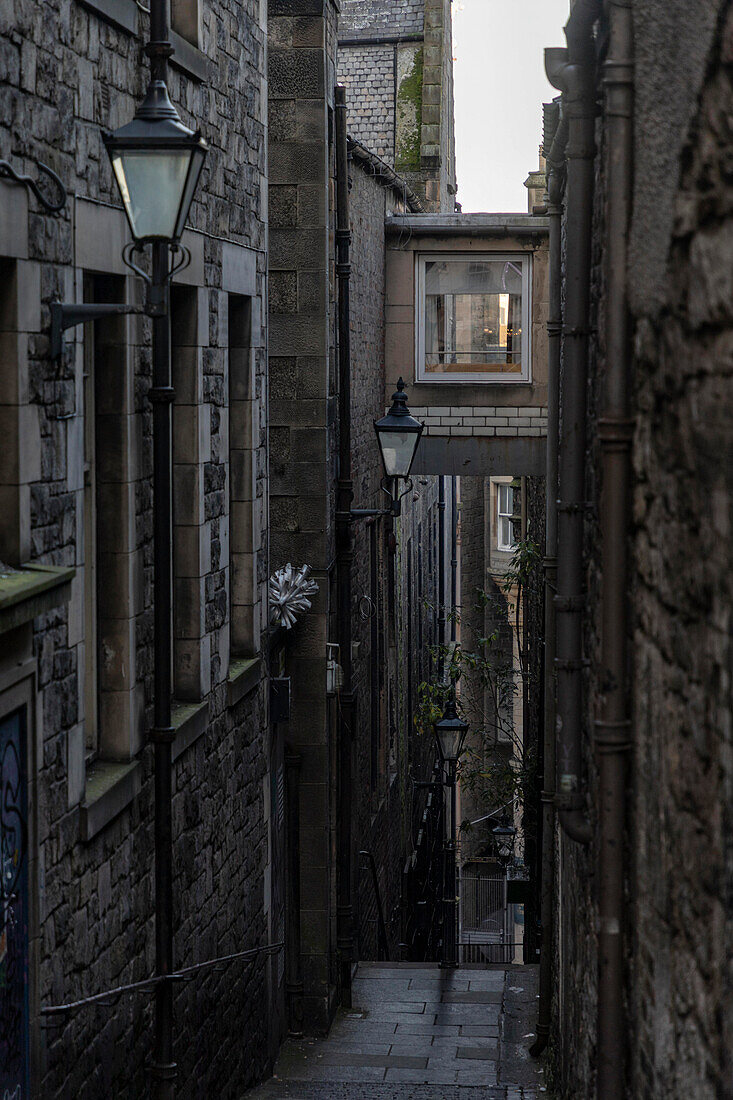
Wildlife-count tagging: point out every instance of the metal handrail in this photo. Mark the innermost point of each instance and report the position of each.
(382, 941)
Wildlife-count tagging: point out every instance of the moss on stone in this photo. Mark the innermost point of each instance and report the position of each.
(409, 115)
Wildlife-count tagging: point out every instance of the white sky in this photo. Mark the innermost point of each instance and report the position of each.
(500, 86)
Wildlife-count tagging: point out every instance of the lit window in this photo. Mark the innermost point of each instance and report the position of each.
(473, 318)
(505, 526)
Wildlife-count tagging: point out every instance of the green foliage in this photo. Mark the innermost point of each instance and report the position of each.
(489, 679)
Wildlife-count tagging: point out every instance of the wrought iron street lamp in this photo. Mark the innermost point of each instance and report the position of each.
(504, 835)
(398, 434)
(450, 734)
(157, 162)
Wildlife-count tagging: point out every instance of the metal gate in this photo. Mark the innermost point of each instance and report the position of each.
(484, 935)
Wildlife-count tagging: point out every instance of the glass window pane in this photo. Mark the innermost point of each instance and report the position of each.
(473, 316)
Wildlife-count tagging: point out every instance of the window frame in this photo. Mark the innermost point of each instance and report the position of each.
(501, 546)
(503, 378)
(183, 17)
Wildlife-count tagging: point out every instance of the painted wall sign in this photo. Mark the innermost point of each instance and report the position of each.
(14, 976)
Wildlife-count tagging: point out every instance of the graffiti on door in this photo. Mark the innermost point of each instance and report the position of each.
(14, 1037)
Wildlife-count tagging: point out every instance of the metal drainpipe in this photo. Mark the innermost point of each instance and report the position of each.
(613, 725)
(293, 962)
(577, 82)
(555, 138)
(344, 551)
(454, 557)
(441, 564)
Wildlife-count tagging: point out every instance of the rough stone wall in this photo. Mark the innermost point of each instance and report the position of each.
(678, 851)
(303, 421)
(368, 74)
(385, 748)
(368, 203)
(67, 75)
(682, 859)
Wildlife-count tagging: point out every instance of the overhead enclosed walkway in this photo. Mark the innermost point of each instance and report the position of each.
(417, 1032)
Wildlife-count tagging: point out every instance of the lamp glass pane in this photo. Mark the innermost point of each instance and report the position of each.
(398, 449)
(151, 183)
(448, 744)
(197, 163)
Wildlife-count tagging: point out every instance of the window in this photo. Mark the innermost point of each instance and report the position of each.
(91, 655)
(186, 20)
(113, 577)
(505, 509)
(473, 318)
(244, 524)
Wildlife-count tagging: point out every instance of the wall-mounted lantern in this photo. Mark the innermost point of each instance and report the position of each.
(398, 434)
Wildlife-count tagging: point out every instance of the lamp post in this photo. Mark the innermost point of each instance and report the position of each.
(450, 734)
(157, 163)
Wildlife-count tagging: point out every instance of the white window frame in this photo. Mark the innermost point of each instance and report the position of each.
(506, 547)
(493, 377)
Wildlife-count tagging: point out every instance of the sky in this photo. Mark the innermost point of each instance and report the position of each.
(500, 86)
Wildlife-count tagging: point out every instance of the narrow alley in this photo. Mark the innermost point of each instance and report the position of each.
(419, 1032)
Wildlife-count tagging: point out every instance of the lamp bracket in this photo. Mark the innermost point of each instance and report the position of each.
(68, 314)
(6, 169)
(394, 509)
(184, 261)
(156, 296)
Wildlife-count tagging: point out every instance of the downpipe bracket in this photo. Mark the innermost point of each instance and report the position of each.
(571, 604)
(162, 735)
(612, 737)
(562, 664)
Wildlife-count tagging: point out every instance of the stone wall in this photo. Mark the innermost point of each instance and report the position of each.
(680, 868)
(303, 435)
(367, 18)
(386, 747)
(398, 60)
(67, 75)
(682, 861)
(368, 74)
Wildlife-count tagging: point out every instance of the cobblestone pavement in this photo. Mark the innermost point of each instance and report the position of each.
(417, 1032)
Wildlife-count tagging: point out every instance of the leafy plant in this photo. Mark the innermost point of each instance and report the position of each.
(490, 671)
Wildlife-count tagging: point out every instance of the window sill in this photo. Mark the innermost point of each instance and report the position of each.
(245, 674)
(188, 59)
(31, 591)
(110, 788)
(190, 721)
(120, 13)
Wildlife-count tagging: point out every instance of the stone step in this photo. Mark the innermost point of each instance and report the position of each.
(320, 1090)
